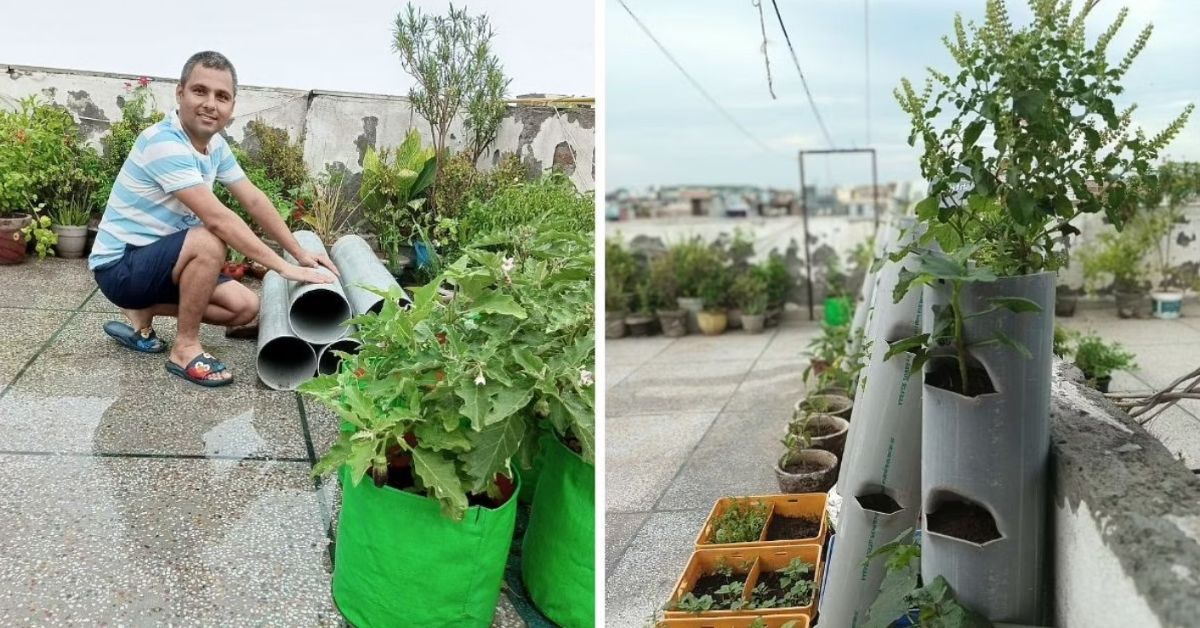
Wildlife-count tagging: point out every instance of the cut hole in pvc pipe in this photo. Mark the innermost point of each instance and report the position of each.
(943, 372)
(960, 518)
(879, 502)
(316, 313)
(329, 361)
(286, 362)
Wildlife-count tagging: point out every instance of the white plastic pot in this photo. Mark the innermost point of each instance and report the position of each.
(1167, 304)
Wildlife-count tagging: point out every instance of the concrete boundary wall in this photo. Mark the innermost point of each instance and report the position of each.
(1126, 518)
(337, 127)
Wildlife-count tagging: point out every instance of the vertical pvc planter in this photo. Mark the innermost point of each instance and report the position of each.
(985, 457)
(558, 563)
(880, 481)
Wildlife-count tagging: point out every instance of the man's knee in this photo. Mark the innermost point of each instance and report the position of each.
(247, 309)
(204, 244)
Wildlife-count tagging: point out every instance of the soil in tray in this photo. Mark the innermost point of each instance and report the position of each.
(947, 377)
(784, 528)
(774, 589)
(961, 520)
(708, 584)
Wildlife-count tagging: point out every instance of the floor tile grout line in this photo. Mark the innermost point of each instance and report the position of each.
(326, 515)
(658, 500)
(150, 456)
(37, 354)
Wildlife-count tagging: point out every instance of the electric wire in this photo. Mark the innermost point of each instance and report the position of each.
(803, 81)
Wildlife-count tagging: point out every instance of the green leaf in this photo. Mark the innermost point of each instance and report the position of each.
(475, 402)
(1015, 304)
(499, 304)
(892, 601)
(505, 402)
(441, 480)
(972, 133)
(927, 208)
(1003, 339)
(1022, 206)
(1093, 138)
(493, 448)
(528, 360)
(913, 344)
(1028, 104)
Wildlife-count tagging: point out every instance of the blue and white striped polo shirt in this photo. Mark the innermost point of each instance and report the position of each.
(142, 208)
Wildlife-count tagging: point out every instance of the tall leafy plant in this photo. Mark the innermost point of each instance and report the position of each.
(450, 58)
(465, 386)
(394, 188)
(1030, 139)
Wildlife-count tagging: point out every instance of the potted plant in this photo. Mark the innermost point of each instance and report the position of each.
(714, 292)
(779, 285)
(694, 263)
(837, 302)
(750, 294)
(664, 282)
(995, 217)
(1065, 301)
(441, 403)
(619, 270)
(820, 430)
(1178, 183)
(394, 191)
(802, 469)
(20, 137)
(70, 220)
(1098, 360)
(1121, 255)
(640, 321)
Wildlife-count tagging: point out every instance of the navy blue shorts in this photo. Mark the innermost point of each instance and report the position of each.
(142, 277)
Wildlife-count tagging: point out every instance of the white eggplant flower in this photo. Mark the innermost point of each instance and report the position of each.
(585, 378)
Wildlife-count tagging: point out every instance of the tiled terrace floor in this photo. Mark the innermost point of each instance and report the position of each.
(695, 418)
(131, 497)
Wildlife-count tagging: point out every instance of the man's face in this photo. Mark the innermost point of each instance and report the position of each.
(205, 102)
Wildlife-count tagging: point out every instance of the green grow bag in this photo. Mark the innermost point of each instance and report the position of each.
(558, 557)
(399, 562)
(529, 477)
(837, 310)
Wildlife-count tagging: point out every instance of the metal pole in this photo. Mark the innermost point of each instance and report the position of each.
(875, 189)
(807, 259)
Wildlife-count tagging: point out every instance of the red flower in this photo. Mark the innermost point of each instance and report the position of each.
(21, 135)
(360, 372)
(144, 80)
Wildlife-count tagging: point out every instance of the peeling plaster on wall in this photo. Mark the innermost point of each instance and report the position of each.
(564, 158)
(367, 139)
(88, 114)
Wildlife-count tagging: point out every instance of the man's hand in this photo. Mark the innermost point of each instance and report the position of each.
(306, 275)
(312, 260)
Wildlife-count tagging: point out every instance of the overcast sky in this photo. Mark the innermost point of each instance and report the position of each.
(661, 131)
(545, 45)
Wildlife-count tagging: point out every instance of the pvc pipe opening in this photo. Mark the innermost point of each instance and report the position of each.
(317, 316)
(329, 362)
(962, 519)
(286, 362)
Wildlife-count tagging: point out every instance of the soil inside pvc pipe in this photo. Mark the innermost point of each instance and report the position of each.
(944, 374)
(963, 520)
(785, 528)
(878, 502)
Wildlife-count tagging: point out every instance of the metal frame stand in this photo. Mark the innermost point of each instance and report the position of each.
(804, 207)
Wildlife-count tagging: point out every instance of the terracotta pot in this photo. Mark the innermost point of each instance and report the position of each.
(711, 323)
(12, 243)
(819, 480)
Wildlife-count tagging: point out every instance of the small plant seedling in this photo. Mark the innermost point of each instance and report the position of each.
(796, 581)
(742, 522)
(902, 591)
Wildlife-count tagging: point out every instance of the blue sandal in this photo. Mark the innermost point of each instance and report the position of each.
(198, 370)
(145, 341)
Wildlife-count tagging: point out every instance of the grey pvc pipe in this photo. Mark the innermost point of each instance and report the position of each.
(283, 360)
(328, 361)
(317, 312)
(993, 450)
(360, 268)
(883, 451)
(884, 236)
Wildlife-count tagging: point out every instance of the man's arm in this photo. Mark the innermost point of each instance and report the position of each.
(227, 226)
(264, 213)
